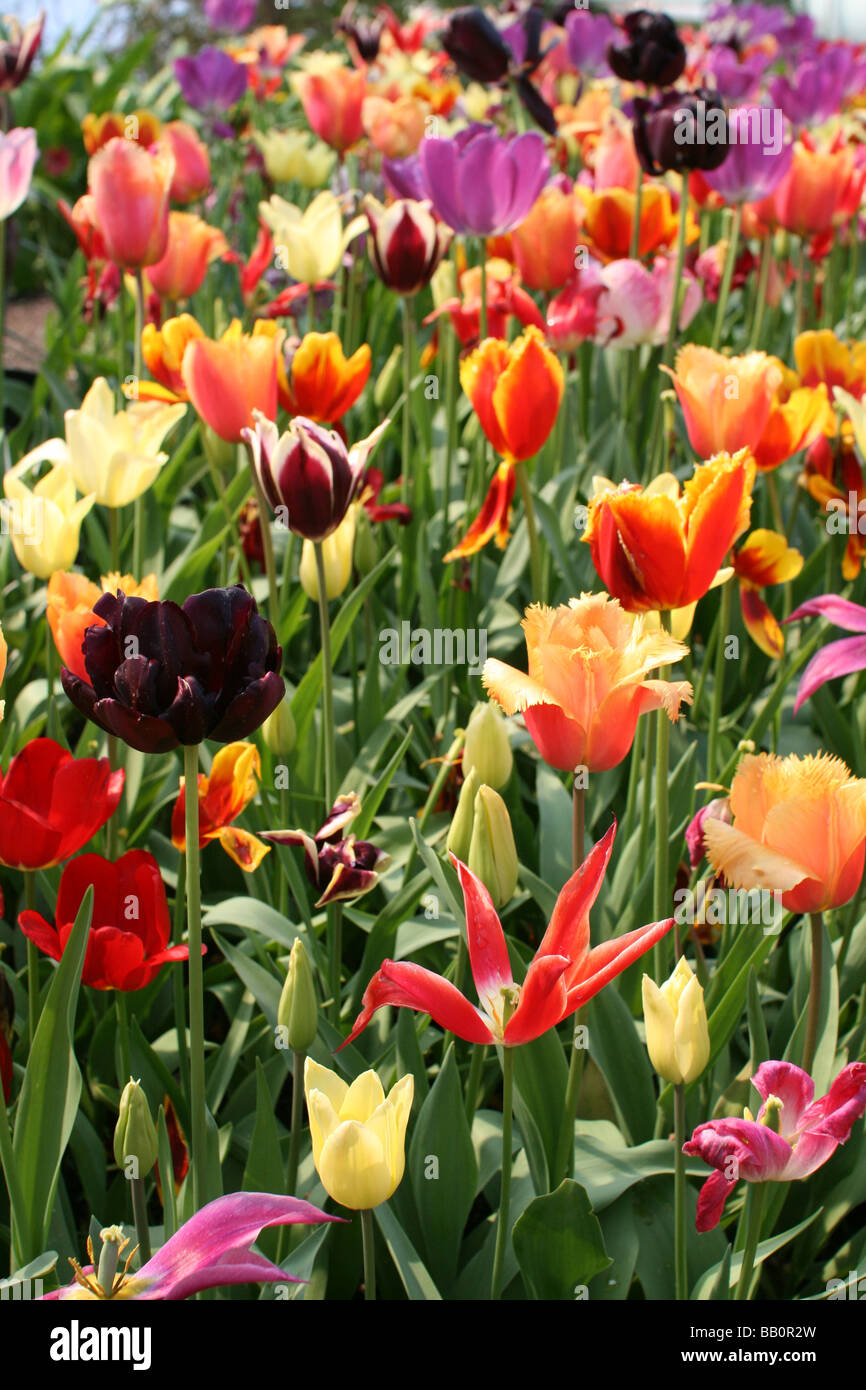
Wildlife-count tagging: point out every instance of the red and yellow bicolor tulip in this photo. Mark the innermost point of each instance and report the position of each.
(225, 378)
(141, 127)
(764, 558)
(163, 349)
(222, 796)
(833, 476)
(587, 684)
(333, 98)
(314, 377)
(655, 551)
(70, 601)
(823, 359)
(608, 220)
(543, 245)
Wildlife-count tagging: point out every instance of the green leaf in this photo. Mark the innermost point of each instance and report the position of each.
(705, 1286)
(413, 1274)
(558, 1243)
(265, 988)
(759, 1046)
(621, 1057)
(443, 1172)
(166, 1174)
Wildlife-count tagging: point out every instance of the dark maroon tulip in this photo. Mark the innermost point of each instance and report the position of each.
(18, 49)
(162, 675)
(308, 475)
(405, 242)
(475, 46)
(338, 866)
(680, 130)
(365, 34)
(653, 52)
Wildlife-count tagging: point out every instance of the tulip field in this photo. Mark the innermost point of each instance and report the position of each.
(432, 771)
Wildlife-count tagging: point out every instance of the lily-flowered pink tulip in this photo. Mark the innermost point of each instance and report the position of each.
(18, 154)
(210, 1250)
(563, 974)
(809, 1133)
(840, 658)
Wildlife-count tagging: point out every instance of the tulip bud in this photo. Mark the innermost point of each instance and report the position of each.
(298, 1011)
(677, 1037)
(278, 730)
(337, 559)
(652, 52)
(387, 387)
(366, 547)
(135, 1133)
(460, 834)
(492, 852)
(487, 748)
(475, 46)
(668, 131)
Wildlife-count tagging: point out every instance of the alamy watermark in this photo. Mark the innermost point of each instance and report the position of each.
(438, 646)
(729, 907)
(762, 127)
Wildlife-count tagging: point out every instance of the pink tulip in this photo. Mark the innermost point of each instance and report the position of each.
(191, 162)
(18, 154)
(130, 187)
(837, 659)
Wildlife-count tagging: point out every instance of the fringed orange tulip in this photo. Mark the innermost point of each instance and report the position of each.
(317, 380)
(765, 558)
(70, 602)
(608, 219)
(492, 522)
(515, 389)
(586, 686)
(653, 551)
(192, 246)
(231, 786)
(799, 828)
(543, 245)
(229, 379)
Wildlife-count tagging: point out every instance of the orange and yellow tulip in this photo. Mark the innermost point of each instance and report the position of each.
(608, 219)
(515, 389)
(70, 601)
(141, 127)
(231, 786)
(395, 128)
(821, 190)
(317, 380)
(543, 246)
(764, 558)
(586, 686)
(726, 401)
(163, 349)
(192, 246)
(230, 378)
(823, 359)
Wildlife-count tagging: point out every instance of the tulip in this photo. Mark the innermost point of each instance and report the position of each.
(230, 379)
(487, 748)
(654, 52)
(337, 550)
(212, 80)
(502, 379)
(505, 299)
(609, 215)
(316, 380)
(475, 46)
(359, 1135)
(82, 219)
(307, 473)
(799, 827)
(332, 100)
(312, 242)
(821, 190)
(142, 127)
(135, 1133)
(460, 831)
(192, 246)
(816, 88)
(669, 131)
(405, 243)
(753, 166)
(279, 731)
(726, 401)
(339, 867)
(809, 1133)
(233, 15)
(657, 548)
(164, 675)
(222, 797)
(298, 1010)
(131, 929)
(163, 350)
(18, 48)
(544, 242)
(586, 687)
(114, 455)
(677, 1036)
(494, 520)
(492, 851)
(588, 37)
(564, 973)
(765, 558)
(130, 187)
(209, 1251)
(290, 155)
(717, 809)
(191, 162)
(69, 609)
(837, 659)
(51, 804)
(394, 128)
(18, 154)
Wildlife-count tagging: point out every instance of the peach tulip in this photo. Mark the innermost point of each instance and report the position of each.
(130, 186)
(192, 245)
(192, 162)
(726, 401)
(332, 100)
(230, 378)
(543, 245)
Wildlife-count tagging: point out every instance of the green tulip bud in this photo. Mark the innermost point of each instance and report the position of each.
(460, 834)
(487, 748)
(298, 1012)
(366, 546)
(388, 382)
(492, 852)
(278, 730)
(135, 1142)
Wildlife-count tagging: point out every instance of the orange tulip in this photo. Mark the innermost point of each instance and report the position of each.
(222, 797)
(765, 558)
(493, 521)
(832, 475)
(192, 245)
(820, 190)
(654, 550)
(163, 350)
(543, 246)
(70, 602)
(587, 687)
(229, 378)
(332, 102)
(799, 828)
(395, 128)
(142, 127)
(191, 162)
(130, 187)
(608, 218)
(515, 389)
(318, 381)
(822, 358)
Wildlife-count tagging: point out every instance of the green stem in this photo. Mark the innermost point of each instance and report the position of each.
(179, 1000)
(311, 309)
(661, 884)
(532, 533)
(327, 682)
(564, 1165)
(32, 962)
(139, 1212)
(268, 548)
(407, 396)
(753, 1210)
(763, 281)
(815, 986)
(433, 795)
(297, 1122)
(718, 681)
(196, 979)
(122, 1036)
(578, 815)
(680, 1243)
(634, 248)
(473, 1079)
(667, 355)
(503, 1219)
(727, 273)
(368, 1241)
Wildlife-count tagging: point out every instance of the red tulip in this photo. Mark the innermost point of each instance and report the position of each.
(51, 804)
(130, 927)
(130, 187)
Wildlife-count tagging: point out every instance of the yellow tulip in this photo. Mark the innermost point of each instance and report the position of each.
(114, 454)
(291, 155)
(337, 556)
(309, 244)
(677, 1036)
(359, 1136)
(44, 524)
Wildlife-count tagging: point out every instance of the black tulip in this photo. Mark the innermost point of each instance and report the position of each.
(653, 52)
(680, 130)
(476, 47)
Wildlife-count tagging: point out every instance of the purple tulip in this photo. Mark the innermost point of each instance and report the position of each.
(338, 866)
(734, 78)
(210, 1250)
(757, 158)
(236, 16)
(745, 24)
(588, 38)
(816, 89)
(840, 658)
(212, 80)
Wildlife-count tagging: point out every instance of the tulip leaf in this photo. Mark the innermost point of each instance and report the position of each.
(166, 1175)
(621, 1057)
(759, 1046)
(823, 1066)
(540, 1076)
(559, 1244)
(265, 987)
(49, 1095)
(533, 1145)
(414, 1276)
(554, 827)
(443, 1172)
(706, 1284)
(622, 1243)
(264, 1170)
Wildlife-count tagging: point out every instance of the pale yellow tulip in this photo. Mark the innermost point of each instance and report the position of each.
(359, 1135)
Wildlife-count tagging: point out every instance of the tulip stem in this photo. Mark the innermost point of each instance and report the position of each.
(368, 1241)
(327, 681)
(816, 928)
(196, 978)
(633, 779)
(482, 315)
(503, 1225)
(680, 1246)
(718, 681)
(763, 281)
(564, 1165)
(661, 884)
(727, 273)
(138, 504)
(122, 1037)
(473, 1079)
(658, 430)
(752, 1217)
(298, 1059)
(634, 248)
(139, 1212)
(32, 961)
(179, 1002)
(578, 809)
(532, 533)
(268, 548)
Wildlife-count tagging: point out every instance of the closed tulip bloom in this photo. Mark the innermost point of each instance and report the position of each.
(479, 182)
(162, 675)
(337, 552)
(298, 1010)
(142, 127)
(395, 128)
(163, 351)
(291, 155)
(475, 46)
(223, 795)
(649, 51)
(70, 602)
(115, 454)
(515, 389)
(130, 187)
(192, 246)
(677, 1036)
(667, 131)
(799, 827)
(661, 548)
(726, 401)
(492, 851)
(405, 243)
(753, 166)
(543, 244)
(821, 189)
(317, 380)
(487, 747)
(44, 524)
(587, 683)
(311, 243)
(51, 804)
(18, 49)
(229, 379)
(135, 1133)
(332, 100)
(359, 1135)
(191, 162)
(18, 154)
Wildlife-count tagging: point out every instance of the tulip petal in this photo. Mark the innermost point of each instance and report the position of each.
(711, 1201)
(568, 931)
(746, 863)
(412, 987)
(839, 611)
(608, 960)
(542, 1000)
(837, 659)
(793, 1087)
(488, 954)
